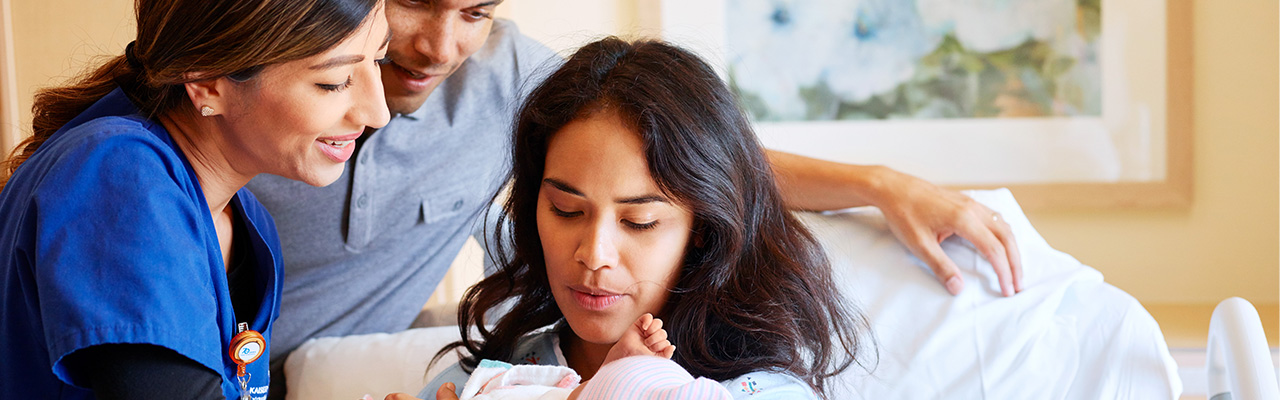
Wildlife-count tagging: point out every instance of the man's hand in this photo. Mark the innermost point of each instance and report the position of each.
(922, 215)
(919, 213)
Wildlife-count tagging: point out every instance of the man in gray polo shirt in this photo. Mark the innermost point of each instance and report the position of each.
(363, 254)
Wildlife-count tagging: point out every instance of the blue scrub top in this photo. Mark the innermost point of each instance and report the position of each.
(106, 238)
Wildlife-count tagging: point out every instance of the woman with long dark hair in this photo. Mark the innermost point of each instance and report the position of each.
(134, 263)
(638, 186)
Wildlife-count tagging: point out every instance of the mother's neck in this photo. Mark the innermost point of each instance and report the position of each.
(203, 143)
(583, 357)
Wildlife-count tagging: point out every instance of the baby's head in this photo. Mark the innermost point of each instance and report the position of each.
(648, 377)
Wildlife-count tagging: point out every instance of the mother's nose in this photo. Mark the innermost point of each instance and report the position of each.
(597, 248)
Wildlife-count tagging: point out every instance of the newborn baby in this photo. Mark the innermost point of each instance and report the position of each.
(639, 366)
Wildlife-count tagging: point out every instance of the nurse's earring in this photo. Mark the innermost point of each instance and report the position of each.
(206, 111)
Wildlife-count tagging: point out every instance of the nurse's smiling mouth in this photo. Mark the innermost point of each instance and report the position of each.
(338, 148)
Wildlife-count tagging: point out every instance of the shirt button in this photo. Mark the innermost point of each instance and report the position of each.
(364, 160)
(363, 201)
(457, 205)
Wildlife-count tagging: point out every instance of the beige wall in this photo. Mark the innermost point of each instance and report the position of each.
(566, 24)
(1226, 244)
(56, 39)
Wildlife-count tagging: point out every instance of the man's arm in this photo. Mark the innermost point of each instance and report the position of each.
(919, 213)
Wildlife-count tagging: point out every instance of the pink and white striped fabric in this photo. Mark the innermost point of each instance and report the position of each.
(649, 378)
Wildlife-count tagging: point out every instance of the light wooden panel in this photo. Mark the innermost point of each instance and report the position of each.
(9, 132)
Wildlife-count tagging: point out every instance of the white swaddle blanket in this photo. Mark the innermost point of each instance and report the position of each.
(631, 378)
(496, 380)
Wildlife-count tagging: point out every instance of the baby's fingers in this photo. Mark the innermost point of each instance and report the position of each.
(654, 327)
(644, 321)
(655, 339)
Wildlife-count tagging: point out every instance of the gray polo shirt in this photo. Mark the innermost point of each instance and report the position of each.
(363, 255)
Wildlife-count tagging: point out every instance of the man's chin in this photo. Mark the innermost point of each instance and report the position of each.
(400, 105)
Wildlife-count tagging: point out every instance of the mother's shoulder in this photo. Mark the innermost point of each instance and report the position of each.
(759, 385)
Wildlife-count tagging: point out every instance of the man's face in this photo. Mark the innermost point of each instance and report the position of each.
(429, 40)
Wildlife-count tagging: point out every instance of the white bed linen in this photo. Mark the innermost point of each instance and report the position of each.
(1068, 335)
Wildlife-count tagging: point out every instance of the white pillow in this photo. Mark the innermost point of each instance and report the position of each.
(376, 364)
(1067, 335)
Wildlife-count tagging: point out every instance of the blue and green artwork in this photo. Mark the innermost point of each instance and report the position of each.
(805, 60)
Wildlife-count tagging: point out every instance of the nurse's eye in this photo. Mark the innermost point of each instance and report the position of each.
(639, 226)
(564, 214)
(335, 87)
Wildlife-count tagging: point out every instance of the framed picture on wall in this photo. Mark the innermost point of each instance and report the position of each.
(1069, 103)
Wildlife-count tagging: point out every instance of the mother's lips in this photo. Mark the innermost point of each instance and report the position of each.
(595, 299)
(593, 290)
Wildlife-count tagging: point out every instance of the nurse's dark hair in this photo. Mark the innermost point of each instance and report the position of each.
(182, 41)
(755, 290)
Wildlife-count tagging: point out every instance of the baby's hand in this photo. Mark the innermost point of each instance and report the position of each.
(643, 338)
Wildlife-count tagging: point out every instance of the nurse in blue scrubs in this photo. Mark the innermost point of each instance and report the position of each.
(133, 263)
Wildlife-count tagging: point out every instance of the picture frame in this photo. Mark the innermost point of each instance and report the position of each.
(1137, 154)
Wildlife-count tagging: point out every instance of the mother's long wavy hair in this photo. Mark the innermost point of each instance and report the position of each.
(755, 292)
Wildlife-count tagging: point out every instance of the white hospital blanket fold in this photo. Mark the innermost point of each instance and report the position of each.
(495, 380)
(1067, 335)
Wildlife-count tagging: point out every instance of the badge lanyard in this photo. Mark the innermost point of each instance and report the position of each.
(246, 347)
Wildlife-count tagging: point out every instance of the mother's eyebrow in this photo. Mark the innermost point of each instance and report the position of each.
(642, 199)
(563, 187)
(652, 198)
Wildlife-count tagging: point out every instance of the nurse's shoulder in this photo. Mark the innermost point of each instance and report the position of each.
(114, 147)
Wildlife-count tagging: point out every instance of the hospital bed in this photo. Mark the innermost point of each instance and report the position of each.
(1067, 335)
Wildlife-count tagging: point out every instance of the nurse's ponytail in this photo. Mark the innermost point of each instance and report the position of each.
(183, 41)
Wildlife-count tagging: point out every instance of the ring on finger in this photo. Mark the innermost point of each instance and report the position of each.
(995, 217)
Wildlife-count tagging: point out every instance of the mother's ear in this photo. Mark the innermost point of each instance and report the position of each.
(208, 96)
